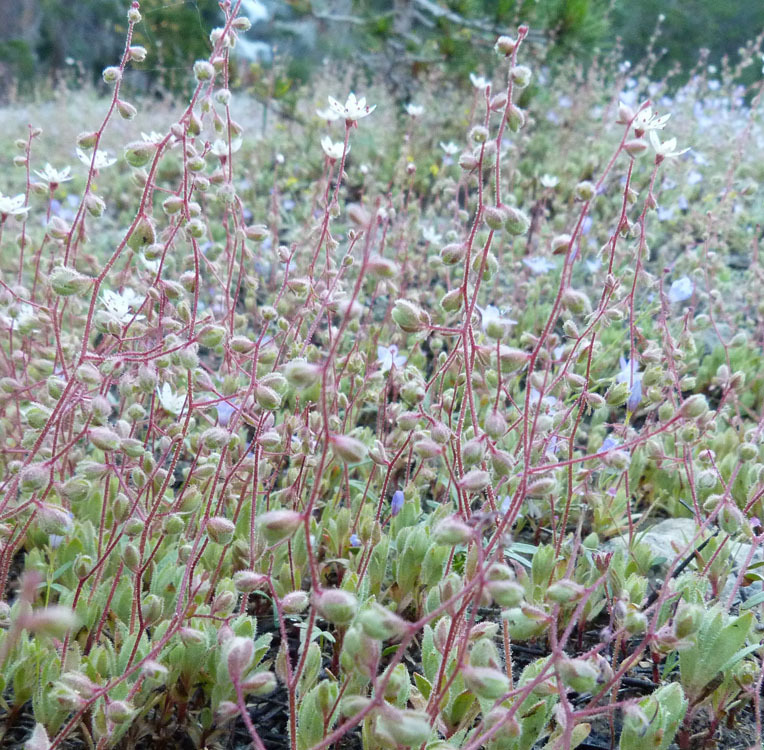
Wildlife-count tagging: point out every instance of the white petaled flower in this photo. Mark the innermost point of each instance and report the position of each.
(549, 180)
(449, 148)
(491, 314)
(480, 83)
(328, 114)
(665, 149)
(627, 374)
(171, 402)
(414, 110)
(102, 159)
(118, 304)
(152, 137)
(646, 120)
(538, 265)
(220, 147)
(331, 149)
(353, 109)
(681, 290)
(12, 206)
(54, 176)
(388, 356)
(430, 235)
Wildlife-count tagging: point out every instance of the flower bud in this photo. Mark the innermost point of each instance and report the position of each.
(112, 74)
(452, 531)
(409, 316)
(126, 110)
(336, 606)
(563, 591)
(584, 191)
(247, 581)
(137, 53)
(380, 623)
(485, 682)
(506, 593)
(348, 449)
(475, 480)
(119, 711)
(521, 75)
(301, 374)
(730, 518)
(65, 281)
(139, 153)
(260, 684)
(295, 602)
(409, 728)
(220, 529)
(695, 406)
(144, 234)
(105, 439)
(276, 525)
(517, 221)
(151, 609)
(635, 147)
(203, 70)
(505, 45)
(578, 674)
(240, 652)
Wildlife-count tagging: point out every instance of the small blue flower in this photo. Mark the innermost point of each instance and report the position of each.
(635, 395)
(681, 290)
(505, 503)
(355, 540)
(396, 504)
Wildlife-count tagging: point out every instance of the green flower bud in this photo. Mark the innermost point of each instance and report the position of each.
(517, 222)
(105, 439)
(348, 449)
(452, 531)
(409, 316)
(485, 682)
(475, 480)
(336, 606)
(139, 153)
(220, 530)
(380, 623)
(276, 525)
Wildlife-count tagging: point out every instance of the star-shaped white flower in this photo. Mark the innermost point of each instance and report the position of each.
(12, 206)
(328, 114)
(647, 120)
(220, 147)
(492, 316)
(430, 235)
(54, 176)
(549, 180)
(449, 148)
(414, 110)
(152, 137)
(171, 402)
(353, 109)
(388, 356)
(665, 149)
(480, 83)
(102, 159)
(331, 149)
(118, 304)
(538, 265)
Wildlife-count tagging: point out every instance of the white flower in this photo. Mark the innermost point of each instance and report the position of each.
(389, 357)
(220, 148)
(449, 148)
(645, 120)
(332, 150)
(681, 290)
(353, 109)
(430, 235)
(171, 402)
(12, 206)
(492, 315)
(152, 137)
(54, 176)
(665, 150)
(118, 304)
(549, 180)
(328, 114)
(538, 265)
(479, 82)
(102, 159)
(415, 110)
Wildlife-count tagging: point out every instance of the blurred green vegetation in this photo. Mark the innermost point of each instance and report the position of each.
(398, 40)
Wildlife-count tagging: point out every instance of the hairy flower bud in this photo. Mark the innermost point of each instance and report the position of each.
(475, 480)
(220, 529)
(276, 525)
(336, 606)
(452, 531)
(485, 682)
